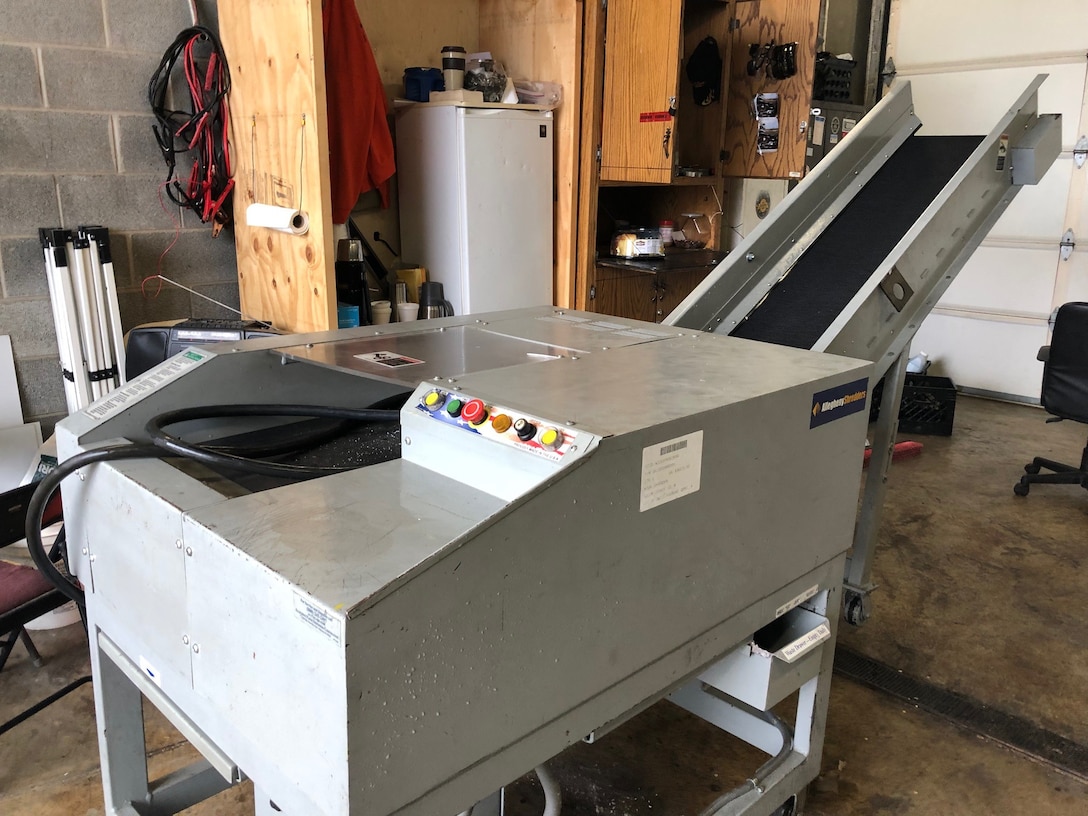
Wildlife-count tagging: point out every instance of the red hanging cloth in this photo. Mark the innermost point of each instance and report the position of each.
(360, 144)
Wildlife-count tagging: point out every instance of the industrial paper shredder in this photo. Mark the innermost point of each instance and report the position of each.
(587, 515)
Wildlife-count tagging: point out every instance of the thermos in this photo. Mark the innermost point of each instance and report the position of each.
(432, 301)
(453, 66)
(351, 278)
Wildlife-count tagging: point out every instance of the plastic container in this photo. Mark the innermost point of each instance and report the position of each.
(665, 228)
(637, 242)
(928, 406)
(419, 82)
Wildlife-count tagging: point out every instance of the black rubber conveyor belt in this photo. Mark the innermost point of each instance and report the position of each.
(800, 308)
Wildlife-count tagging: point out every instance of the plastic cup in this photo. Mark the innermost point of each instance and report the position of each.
(382, 311)
(407, 311)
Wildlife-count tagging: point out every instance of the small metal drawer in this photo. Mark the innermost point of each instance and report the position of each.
(779, 659)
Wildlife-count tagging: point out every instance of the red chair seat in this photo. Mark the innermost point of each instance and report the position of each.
(19, 584)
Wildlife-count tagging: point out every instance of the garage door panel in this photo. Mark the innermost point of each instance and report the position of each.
(968, 103)
(984, 355)
(1078, 277)
(1038, 211)
(939, 31)
(1003, 280)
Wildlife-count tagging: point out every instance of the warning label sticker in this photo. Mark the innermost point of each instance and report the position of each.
(151, 381)
(671, 469)
(389, 359)
(324, 621)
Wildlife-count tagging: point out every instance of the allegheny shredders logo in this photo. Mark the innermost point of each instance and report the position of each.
(838, 402)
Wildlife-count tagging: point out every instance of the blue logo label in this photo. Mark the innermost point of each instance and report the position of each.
(838, 402)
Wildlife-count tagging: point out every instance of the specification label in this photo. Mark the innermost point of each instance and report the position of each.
(319, 618)
(671, 469)
(140, 388)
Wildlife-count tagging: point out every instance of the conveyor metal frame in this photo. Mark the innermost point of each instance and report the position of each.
(883, 316)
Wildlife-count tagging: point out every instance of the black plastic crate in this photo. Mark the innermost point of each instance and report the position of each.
(928, 406)
(834, 78)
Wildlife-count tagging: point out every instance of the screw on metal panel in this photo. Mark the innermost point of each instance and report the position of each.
(441, 328)
(407, 440)
(283, 361)
(185, 639)
(82, 476)
(751, 256)
(451, 380)
(84, 550)
(604, 348)
(570, 422)
(188, 550)
(436, 377)
(178, 543)
(309, 345)
(483, 322)
(196, 648)
(574, 357)
(92, 558)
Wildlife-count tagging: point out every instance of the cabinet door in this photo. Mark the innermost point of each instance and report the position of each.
(641, 70)
(626, 293)
(675, 286)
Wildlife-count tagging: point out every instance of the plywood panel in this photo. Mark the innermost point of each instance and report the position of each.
(542, 40)
(281, 156)
(761, 21)
(699, 127)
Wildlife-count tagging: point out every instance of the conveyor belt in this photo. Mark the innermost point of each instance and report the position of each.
(805, 303)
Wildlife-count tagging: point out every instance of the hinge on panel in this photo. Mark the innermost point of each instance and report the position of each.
(598, 157)
(604, 4)
(593, 292)
(734, 24)
(1065, 248)
(1080, 151)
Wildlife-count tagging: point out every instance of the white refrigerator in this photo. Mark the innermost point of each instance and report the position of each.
(476, 192)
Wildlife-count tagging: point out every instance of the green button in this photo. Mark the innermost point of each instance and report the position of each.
(453, 407)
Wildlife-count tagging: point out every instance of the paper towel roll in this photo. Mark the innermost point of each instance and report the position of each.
(283, 219)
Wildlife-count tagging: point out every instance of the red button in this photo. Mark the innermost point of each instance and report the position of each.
(474, 412)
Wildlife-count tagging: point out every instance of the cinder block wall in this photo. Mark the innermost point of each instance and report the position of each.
(76, 147)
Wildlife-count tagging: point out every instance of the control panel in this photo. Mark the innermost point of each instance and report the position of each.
(507, 426)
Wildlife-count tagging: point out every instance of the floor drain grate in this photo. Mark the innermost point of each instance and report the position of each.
(1015, 732)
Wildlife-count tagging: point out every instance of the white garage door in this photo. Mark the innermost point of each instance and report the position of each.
(967, 62)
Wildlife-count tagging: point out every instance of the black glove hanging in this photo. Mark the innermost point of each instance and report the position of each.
(705, 72)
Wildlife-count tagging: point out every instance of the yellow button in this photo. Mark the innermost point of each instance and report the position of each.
(432, 399)
(548, 437)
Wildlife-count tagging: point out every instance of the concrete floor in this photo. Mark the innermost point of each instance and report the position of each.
(981, 592)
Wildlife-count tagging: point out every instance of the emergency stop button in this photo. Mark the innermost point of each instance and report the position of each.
(474, 412)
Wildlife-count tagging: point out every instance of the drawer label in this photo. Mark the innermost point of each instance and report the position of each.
(805, 644)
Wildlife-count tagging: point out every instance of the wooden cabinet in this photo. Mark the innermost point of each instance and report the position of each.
(641, 84)
(652, 125)
(642, 295)
(658, 140)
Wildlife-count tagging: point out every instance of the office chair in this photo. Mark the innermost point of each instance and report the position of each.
(25, 594)
(1064, 394)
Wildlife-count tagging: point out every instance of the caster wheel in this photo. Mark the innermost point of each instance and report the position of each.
(856, 608)
(1021, 488)
(1033, 469)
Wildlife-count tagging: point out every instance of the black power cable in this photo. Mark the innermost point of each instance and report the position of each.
(165, 445)
(200, 126)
